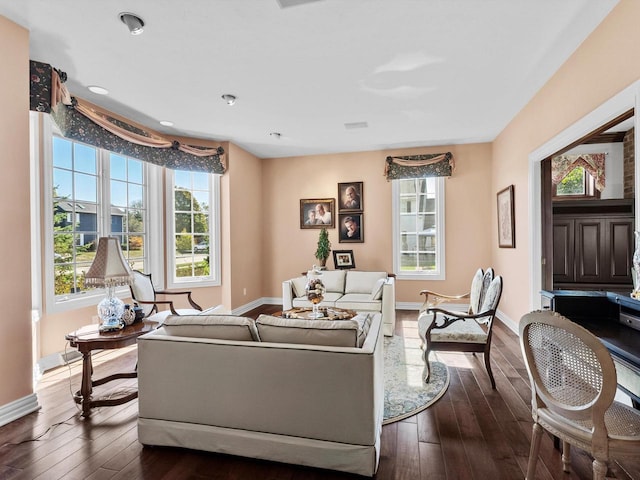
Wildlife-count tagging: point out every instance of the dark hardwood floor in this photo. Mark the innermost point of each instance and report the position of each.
(472, 432)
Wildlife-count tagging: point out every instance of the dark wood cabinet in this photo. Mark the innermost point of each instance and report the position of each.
(593, 248)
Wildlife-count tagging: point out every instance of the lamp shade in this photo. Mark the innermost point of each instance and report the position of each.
(109, 267)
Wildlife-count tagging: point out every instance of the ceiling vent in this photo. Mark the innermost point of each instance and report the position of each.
(293, 3)
(354, 125)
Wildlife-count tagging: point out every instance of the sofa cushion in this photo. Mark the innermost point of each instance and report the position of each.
(219, 327)
(329, 300)
(362, 282)
(358, 302)
(333, 280)
(299, 284)
(336, 333)
(376, 293)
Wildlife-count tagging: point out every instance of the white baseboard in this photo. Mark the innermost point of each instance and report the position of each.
(513, 326)
(18, 408)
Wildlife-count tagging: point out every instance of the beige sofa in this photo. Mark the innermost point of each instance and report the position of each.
(351, 289)
(208, 382)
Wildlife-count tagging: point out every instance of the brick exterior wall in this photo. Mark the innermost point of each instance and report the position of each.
(628, 155)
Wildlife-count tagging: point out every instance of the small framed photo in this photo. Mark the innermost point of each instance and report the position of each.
(350, 196)
(506, 218)
(350, 225)
(317, 212)
(343, 259)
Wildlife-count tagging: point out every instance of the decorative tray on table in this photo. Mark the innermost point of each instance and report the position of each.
(328, 313)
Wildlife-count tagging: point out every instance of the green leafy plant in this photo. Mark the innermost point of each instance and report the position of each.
(324, 247)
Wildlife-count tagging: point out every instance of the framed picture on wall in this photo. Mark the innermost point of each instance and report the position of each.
(317, 212)
(350, 225)
(506, 218)
(343, 259)
(350, 196)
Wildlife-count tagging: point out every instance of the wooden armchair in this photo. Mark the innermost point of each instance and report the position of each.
(573, 385)
(445, 330)
(479, 284)
(145, 295)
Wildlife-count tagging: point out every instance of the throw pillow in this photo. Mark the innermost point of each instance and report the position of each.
(299, 284)
(376, 293)
(336, 333)
(218, 327)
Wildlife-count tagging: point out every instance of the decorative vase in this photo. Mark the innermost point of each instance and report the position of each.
(635, 270)
(129, 316)
(315, 290)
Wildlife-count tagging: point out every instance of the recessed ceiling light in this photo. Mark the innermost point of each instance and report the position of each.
(354, 125)
(230, 99)
(133, 22)
(98, 90)
(166, 123)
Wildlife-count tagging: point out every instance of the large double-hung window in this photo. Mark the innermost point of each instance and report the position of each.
(193, 228)
(93, 193)
(418, 211)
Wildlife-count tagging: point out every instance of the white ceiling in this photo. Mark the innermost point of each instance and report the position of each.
(418, 72)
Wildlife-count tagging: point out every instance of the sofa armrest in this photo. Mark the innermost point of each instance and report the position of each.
(389, 307)
(287, 295)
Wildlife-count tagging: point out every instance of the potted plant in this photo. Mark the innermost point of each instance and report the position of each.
(324, 247)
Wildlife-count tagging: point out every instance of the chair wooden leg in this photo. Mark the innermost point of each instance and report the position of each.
(536, 436)
(427, 370)
(566, 457)
(487, 364)
(599, 470)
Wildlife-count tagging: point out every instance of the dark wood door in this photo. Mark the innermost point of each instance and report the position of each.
(590, 247)
(563, 250)
(619, 247)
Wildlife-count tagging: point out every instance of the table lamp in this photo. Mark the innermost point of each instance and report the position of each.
(110, 270)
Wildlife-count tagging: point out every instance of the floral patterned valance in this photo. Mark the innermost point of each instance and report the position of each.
(80, 121)
(593, 163)
(419, 166)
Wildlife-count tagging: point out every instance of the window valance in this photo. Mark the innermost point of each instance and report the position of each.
(418, 166)
(79, 120)
(593, 163)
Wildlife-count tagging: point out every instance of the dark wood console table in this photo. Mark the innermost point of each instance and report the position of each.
(608, 316)
(89, 338)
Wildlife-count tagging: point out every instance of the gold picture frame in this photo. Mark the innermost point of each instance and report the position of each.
(506, 218)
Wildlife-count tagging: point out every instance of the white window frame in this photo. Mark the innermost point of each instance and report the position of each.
(58, 304)
(213, 279)
(439, 272)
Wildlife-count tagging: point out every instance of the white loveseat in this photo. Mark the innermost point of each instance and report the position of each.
(207, 382)
(351, 289)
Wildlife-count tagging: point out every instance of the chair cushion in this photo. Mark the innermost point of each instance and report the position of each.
(337, 333)
(475, 296)
(362, 282)
(143, 291)
(162, 315)
(463, 331)
(220, 327)
(491, 297)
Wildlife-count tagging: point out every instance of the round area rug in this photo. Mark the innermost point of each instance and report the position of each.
(405, 392)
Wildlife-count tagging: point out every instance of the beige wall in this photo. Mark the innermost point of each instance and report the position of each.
(243, 237)
(15, 283)
(602, 66)
(287, 180)
(262, 243)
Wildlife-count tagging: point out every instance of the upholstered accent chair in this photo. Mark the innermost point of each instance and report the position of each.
(144, 294)
(573, 385)
(471, 331)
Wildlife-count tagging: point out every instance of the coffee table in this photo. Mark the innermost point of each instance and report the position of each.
(329, 313)
(89, 338)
